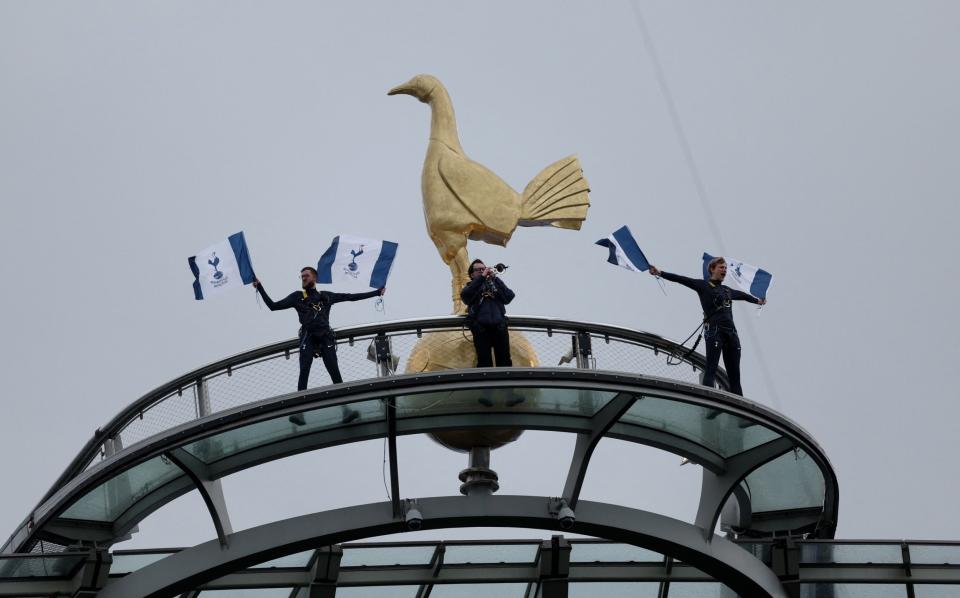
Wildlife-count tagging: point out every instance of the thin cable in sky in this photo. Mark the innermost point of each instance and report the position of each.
(698, 183)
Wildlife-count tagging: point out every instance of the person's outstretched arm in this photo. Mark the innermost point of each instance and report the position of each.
(690, 283)
(741, 296)
(285, 303)
(338, 297)
(506, 295)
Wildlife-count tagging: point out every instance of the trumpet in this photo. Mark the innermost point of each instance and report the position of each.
(499, 268)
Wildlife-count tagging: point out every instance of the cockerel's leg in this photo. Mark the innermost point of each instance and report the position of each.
(459, 270)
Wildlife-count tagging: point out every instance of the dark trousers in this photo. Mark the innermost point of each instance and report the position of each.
(723, 341)
(323, 343)
(495, 337)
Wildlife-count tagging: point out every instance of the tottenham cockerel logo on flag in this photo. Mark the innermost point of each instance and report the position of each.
(352, 258)
(750, 278)
(221, 267)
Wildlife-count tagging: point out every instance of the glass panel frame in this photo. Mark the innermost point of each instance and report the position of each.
(108, 501)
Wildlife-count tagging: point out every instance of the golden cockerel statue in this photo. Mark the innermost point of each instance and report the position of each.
(463, 199)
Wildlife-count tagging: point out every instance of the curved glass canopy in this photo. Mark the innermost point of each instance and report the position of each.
(786, 470)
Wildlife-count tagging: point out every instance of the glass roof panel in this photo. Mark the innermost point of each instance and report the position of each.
(853, 590)
(609, 552)
(723, 433)
(614, 589)
(479, 590)
(248, 593)
(490, 553)
(378, 592)
(791, 481)
(299, 560)
(384, 556)
(935, 590)
(887, 554)
(110, 499)
(930, 554)
(39, 566)
(703, 589)
(250, 436)
(128, 563)
(562, 401)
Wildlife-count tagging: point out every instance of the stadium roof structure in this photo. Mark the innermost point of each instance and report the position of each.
(766, 483)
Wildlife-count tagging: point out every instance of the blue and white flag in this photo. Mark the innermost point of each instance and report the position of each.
(624, 251)
(350, 259)
(221, 267)
(748, 277)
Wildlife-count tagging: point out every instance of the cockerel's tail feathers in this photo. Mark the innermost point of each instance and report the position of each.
(558, 196)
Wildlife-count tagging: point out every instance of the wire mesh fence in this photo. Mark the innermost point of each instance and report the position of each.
(447, 343)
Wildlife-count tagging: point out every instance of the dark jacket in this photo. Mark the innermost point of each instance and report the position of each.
(715, 299)
(485, 300)
(313, 306)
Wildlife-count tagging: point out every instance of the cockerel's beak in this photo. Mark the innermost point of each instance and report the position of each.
(405, 88)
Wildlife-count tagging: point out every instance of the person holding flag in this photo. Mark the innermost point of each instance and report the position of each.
(313, 310)
(720, 333)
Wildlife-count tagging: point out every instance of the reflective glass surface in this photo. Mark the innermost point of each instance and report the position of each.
(479, 590)
(791, 481)
(607, 552)
(378, 592)
(128, 563)
(109, 500)
(299, 560)
(614, 589)
(257, 593)
(708, 589)
(723, 433)
(561, 401)
(39, 566)
(381, 556)
(927, 554)
(247, 437)
(852, 590)
(888, 554)
(923, 590)
(490, 553)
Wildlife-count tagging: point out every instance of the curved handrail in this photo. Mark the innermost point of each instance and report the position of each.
(94, 446)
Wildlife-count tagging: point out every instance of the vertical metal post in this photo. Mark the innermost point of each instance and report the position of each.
(391, 404)
(325, 572)
(583, 350)
(785, 562)
(478, 478)
(386, 360)
(93, 574)
(553, 563)
(383, 352)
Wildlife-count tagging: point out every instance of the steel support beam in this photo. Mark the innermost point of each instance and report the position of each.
(210, 490)
(601, 423)
(717, 488)
(723, 560)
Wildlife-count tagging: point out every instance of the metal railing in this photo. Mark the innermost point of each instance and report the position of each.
(272, 370)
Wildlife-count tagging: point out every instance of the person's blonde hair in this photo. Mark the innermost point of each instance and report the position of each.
(714, 262)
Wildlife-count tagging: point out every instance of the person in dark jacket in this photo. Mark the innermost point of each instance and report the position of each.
(313, 311)
(719, 331)
(485, 296)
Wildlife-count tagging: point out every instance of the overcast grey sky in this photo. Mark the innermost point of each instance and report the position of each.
(133, 134)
